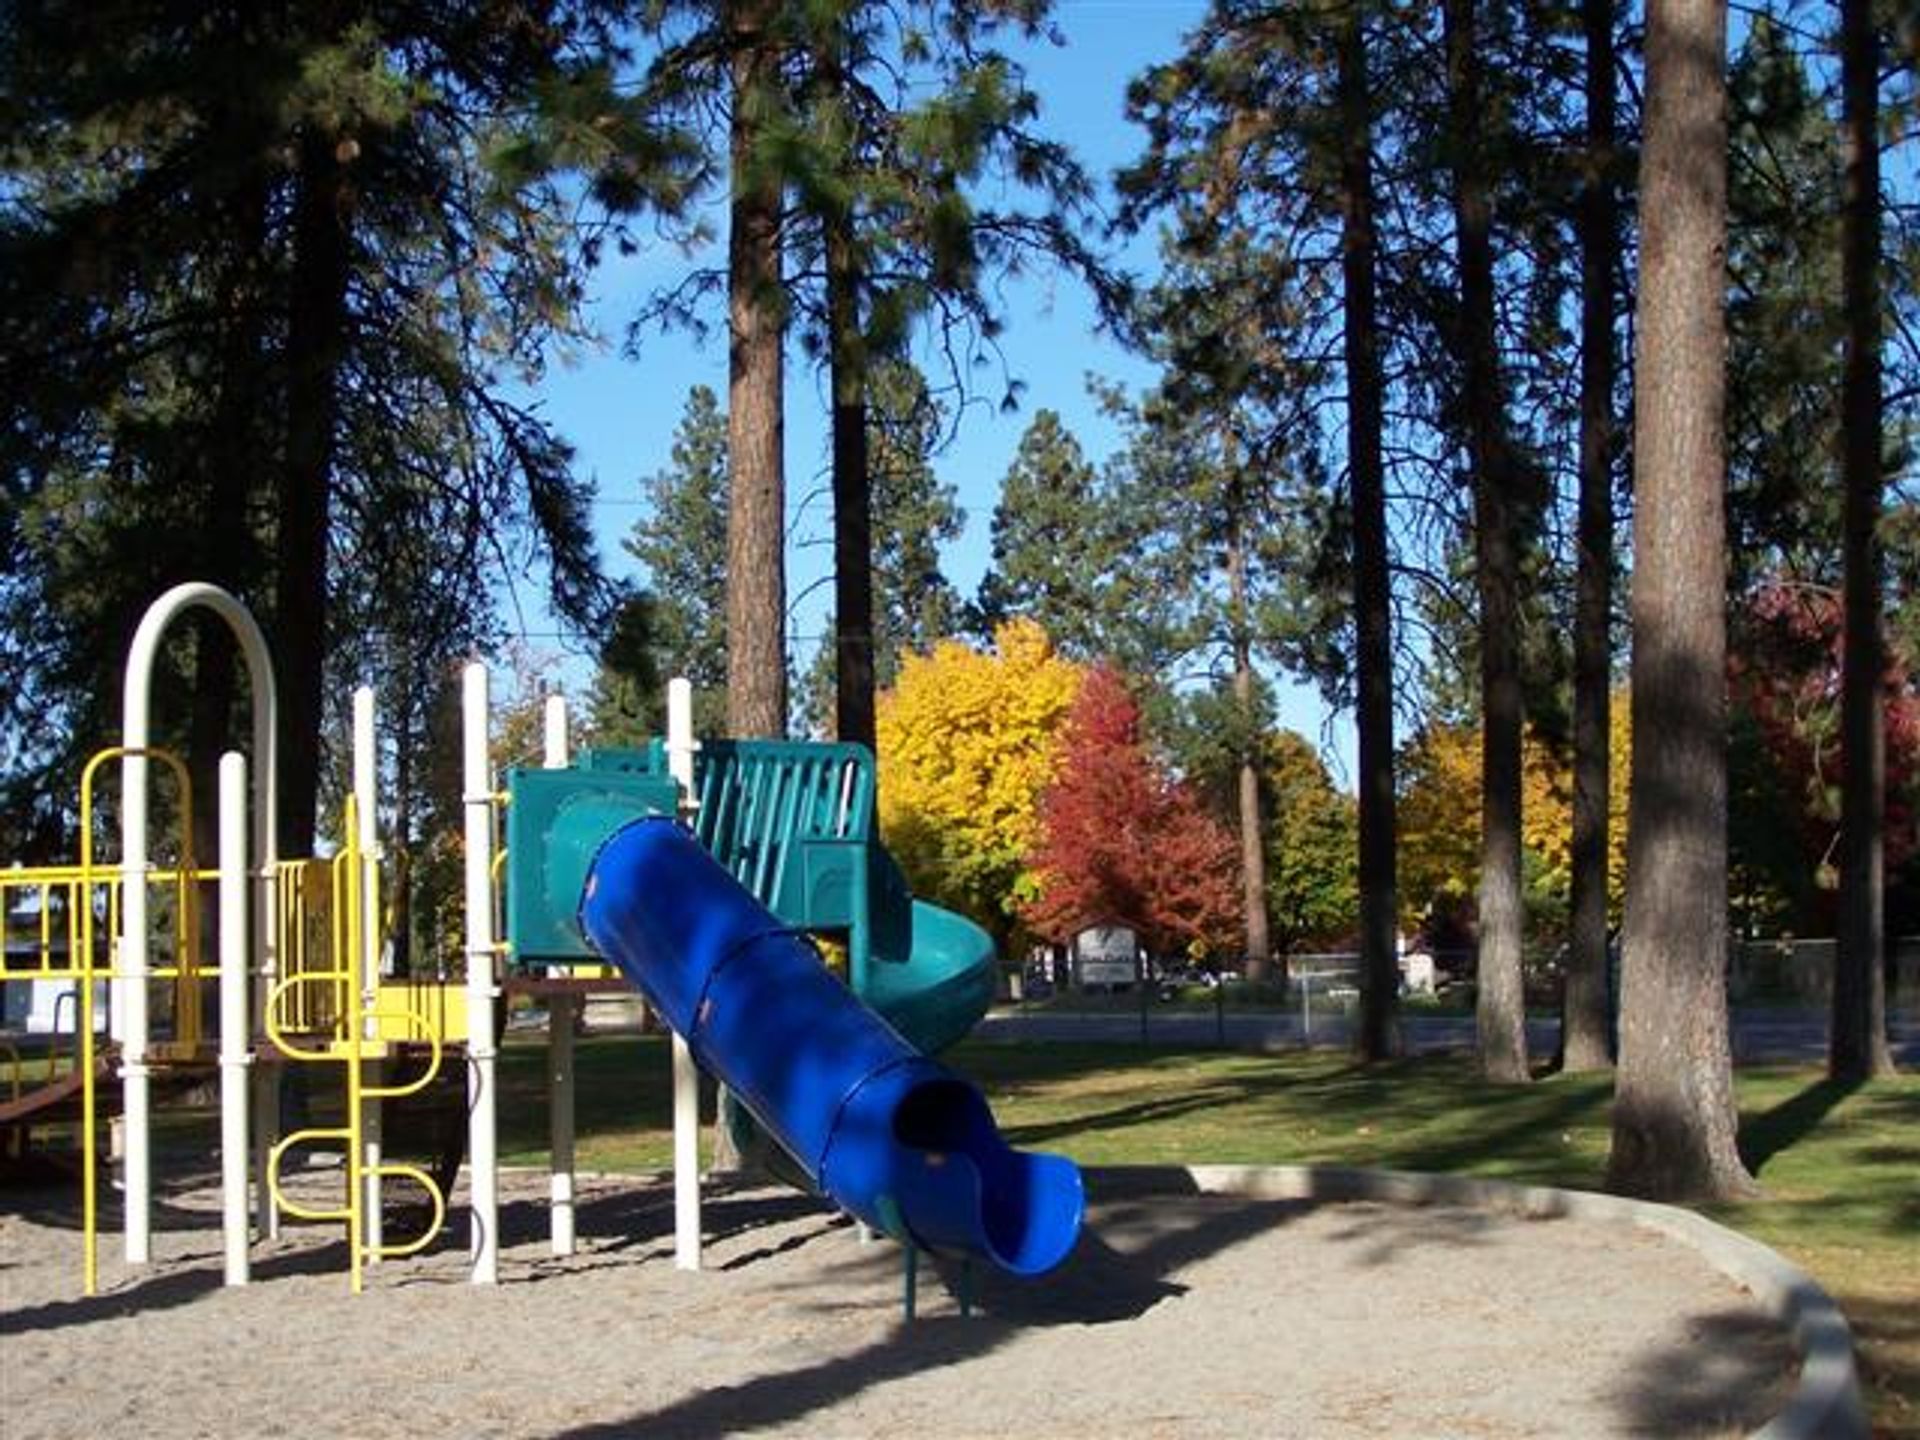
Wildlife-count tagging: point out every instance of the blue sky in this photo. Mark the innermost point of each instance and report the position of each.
(621, 413)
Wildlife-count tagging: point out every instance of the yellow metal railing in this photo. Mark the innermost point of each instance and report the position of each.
(344, 1038)
(186, 971)
(16, 1067)
(66, 923)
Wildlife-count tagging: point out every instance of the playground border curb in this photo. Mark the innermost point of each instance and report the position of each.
(1826, 1402)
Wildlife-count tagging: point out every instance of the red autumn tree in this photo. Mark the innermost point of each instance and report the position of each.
(1785, 684)
(1121, 839)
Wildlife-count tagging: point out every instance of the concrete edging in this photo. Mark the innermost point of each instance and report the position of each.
(1827, 1401)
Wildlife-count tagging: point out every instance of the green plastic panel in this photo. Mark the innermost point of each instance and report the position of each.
(556, 822)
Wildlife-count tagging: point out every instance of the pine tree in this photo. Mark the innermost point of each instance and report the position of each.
(1858, 1048)
(914, 516)
(1674, 1119)
(1500, 517)
(263, 287)
(868, 128)
(1048, 561)
(1283, 103)
(681, 541)
(906, 114)
(756, 403)
(1586, 1018)
(1212, 465)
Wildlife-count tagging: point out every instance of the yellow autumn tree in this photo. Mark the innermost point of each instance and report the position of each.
(967, 742)
(1439, 819)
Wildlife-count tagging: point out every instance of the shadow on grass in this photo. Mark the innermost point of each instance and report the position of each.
(1546, 1111)
(1121, 1117)
(1887, 1342)
(1100, 1284)
(1790, 1122)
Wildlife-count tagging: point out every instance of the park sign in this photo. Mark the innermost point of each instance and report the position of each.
(1104, 955)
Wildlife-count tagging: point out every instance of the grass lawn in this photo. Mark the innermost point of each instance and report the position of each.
(1839, 1166)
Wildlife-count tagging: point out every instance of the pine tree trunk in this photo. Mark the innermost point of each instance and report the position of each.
(1253, 848)
(229, 543)
(852, 492)
(1377, 1037)
(756, 422)
(1674, 1119)
(316, 341)
(1858, 1046)
(1586, 1024)
(756, 308)
(1500, 1010)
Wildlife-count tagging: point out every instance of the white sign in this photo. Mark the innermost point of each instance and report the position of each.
(1106, 955)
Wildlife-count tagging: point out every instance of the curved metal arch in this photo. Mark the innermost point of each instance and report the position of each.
(132, 985)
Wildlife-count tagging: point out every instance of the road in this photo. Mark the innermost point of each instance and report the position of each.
(1758, 1035)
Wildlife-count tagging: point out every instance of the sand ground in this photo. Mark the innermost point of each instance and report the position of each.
(1178, 1316)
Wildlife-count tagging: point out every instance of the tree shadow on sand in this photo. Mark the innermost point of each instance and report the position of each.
(1100, 1284)
(1725, 1375)
(180, 1283)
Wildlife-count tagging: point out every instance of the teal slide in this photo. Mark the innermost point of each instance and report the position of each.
(931, 978)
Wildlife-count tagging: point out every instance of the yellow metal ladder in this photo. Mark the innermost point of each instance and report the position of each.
(320, 1015)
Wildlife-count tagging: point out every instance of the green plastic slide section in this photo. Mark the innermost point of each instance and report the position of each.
(935, 993)
(930, 972)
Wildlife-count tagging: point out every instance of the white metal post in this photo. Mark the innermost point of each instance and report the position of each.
(482, 1159)
(366, 800)
(561, 1010)
(130, 1005)
(235, 1021)
(686, 1076)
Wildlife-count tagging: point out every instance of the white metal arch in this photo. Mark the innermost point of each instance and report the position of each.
(135, 966)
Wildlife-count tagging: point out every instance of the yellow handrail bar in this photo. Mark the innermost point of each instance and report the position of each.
(280, 1196)
(16, 1142)
(439, 1202)
(89, 1123)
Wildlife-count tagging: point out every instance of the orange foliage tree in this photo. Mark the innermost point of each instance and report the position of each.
(1121, 839)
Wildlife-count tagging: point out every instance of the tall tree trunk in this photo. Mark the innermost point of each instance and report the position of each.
(1500, 1010)
(756, 309)
(1253, 848)
(230, 544)
(852, 489)
(1674, 1120)
(1858, 1045)
(1585, 1017)
(1377, 1037)
(756, 420)
(316, 343)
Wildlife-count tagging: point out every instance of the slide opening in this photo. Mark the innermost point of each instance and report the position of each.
(1030, 1205)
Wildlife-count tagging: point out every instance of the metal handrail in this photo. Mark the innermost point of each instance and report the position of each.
(350, 1022)
(438, 1200)
(89, 1101)
(17, 1140)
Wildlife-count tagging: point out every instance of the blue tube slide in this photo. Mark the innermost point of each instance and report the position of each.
(892, 1137)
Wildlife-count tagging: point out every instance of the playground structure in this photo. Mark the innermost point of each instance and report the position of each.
(698, 871)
